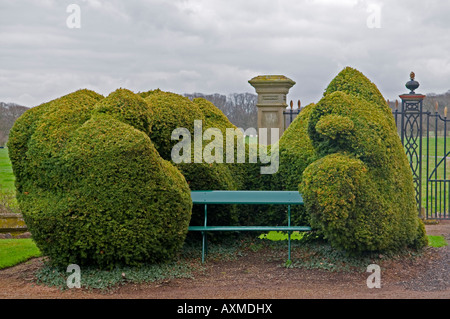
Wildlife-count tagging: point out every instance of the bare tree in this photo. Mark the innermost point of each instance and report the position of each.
(244, 112)
(239, 108)
(9, 113)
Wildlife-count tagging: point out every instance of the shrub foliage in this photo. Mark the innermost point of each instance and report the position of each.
(97, 185)
(359, 192)
(92, 187)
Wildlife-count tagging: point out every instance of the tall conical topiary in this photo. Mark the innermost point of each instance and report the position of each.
(359, 192)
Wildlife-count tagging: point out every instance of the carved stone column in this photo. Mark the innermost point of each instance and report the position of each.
(272, 91)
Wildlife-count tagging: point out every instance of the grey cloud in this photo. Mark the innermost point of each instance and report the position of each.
(217, 46)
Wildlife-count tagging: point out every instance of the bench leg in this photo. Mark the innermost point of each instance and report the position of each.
(289, 233)
(204, 241)
(203, 246)
(289, 246)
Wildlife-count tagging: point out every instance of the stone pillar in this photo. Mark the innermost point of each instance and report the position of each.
(272, 91)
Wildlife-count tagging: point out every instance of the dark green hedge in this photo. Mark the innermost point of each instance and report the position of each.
(296, 152)
(353, 82)
(92, 188)
(171, 111)
(359, 193)
(128, 108)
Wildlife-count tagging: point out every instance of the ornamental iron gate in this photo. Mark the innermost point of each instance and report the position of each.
(424, 137)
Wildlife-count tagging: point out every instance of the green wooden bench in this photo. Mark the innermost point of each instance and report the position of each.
(249, 198)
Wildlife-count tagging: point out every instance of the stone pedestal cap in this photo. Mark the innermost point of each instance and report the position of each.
(271, 89)
(275, 82)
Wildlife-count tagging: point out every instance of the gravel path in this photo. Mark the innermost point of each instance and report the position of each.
(436, 274)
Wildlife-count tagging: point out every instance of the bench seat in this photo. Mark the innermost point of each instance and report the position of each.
(246, 198)
(249, 228)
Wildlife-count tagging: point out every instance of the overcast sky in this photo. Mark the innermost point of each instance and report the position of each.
(213, 46)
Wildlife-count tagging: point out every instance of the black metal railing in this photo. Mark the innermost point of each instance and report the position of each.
(291, 113)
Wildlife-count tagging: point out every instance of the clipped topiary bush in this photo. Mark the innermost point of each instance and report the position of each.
(214, 118)
(353, 82)
(92, 187)
(247, 175)
(296, 152)
(40, 134)
(359, 193)
(172, 111)
(125, 106)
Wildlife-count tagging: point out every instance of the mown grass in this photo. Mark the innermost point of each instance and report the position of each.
(8, 202)
(437, 241)
(435, 168)
(278, 235)
(6, 173)
(15, 251)
(435, 146)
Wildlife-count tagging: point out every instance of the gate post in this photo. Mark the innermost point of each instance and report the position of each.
(411, 133)
(272, 91)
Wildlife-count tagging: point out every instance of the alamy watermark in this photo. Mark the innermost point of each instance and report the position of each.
(374, 279)
(73, 21)
(74, 279)
(374, 19)
(213, 152)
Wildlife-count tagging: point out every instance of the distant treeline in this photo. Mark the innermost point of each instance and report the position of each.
(240, 108)
(9, 113)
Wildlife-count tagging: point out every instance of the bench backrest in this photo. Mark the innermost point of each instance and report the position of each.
(246, 197)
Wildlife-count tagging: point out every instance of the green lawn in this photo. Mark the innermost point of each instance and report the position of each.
(15, 251)
(437, 241)
(431, 166)
(6, 173)
(435, 144)
(279, 235)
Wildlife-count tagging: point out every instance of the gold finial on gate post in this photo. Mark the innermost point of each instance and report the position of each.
(396, 104)
(436, 106)
(298, 104)
(292, 104)
(445, 112)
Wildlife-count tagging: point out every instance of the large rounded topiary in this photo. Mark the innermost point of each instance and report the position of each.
(359, 193)
(91, 185)
(172, 111)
